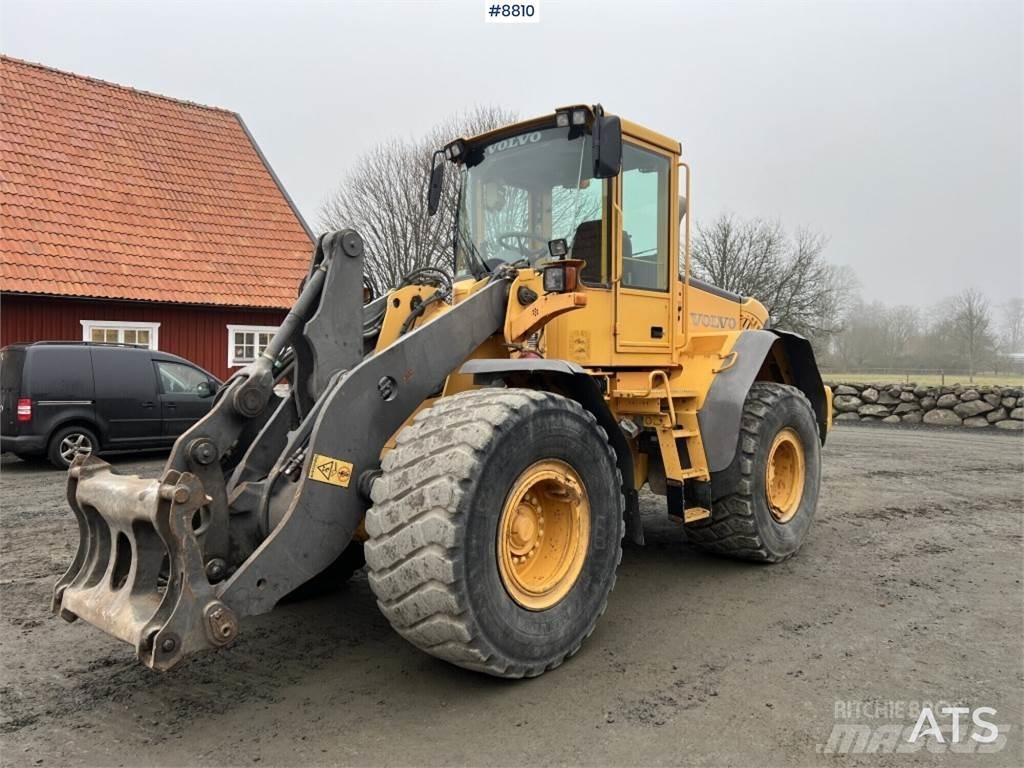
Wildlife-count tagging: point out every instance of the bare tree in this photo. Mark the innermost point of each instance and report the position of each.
(383, 198)
(1013, 326)
(857, 345)
(970, 327)
(901, 325)
(738, 255)
(789, 275)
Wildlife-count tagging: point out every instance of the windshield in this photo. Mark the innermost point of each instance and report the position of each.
(526, 191)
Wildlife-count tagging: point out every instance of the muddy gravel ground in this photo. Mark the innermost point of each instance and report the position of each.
(907, 590)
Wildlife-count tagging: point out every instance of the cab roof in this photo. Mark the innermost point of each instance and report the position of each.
(629, 130)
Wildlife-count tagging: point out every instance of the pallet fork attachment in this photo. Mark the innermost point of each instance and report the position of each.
(264, 492)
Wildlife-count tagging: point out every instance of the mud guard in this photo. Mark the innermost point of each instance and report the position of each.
(719, 418)
(573, 381)
(806, 376)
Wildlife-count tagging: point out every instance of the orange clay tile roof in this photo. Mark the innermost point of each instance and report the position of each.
(109, 192)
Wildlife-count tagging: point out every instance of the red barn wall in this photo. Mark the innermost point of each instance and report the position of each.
(199, 334)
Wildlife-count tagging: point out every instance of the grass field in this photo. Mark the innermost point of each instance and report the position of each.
(925, 379)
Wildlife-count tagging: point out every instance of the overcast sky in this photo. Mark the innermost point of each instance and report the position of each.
(894, 127)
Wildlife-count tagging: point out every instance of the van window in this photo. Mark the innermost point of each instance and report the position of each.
(58, 373)
(178, 379)
(123, 373)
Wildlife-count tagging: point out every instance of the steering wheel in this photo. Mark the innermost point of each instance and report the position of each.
(519, 241)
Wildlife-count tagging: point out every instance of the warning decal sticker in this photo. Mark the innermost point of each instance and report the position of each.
(324, 469)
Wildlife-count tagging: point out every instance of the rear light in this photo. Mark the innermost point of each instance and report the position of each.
(24, 409)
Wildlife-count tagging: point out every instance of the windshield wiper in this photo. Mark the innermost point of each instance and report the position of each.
(471, 249)
(467, 242)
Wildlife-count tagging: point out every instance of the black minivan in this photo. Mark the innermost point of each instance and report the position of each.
(65, 398)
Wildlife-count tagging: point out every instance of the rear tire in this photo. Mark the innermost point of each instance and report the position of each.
(67, 442)
(748, 520)
(439, 525)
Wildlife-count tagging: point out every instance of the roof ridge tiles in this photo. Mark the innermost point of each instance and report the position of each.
(118, 86)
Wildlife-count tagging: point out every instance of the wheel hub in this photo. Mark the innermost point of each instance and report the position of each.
(74, 444)
(543, 534)
(527, 529)
(784, 475)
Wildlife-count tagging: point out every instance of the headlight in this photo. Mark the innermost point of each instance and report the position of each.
(560, 278)
(554, 279)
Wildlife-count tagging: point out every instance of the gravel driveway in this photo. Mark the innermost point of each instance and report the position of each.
(908, 590)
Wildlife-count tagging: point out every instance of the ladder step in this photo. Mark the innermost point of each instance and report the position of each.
(677, 433)
(693, 514)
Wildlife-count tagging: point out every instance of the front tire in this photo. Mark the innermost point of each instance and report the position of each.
(496, 530)
(763, 504)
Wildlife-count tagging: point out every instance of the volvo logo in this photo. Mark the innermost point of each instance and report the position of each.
(514, 141)
(713, 321)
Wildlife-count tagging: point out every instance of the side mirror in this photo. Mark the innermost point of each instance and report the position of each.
(436, 185)
(607, 146)
(206, 389)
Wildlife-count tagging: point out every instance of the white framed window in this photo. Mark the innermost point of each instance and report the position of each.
(133, 332)
(247, 342)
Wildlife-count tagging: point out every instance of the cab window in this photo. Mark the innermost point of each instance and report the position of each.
(521, 192)
(645, 219)
(585, 210)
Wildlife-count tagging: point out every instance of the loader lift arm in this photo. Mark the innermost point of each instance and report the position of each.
(263, 493)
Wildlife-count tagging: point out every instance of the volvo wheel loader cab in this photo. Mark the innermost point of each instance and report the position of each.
(481, 438)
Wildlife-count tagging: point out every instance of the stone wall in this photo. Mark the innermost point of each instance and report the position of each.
(958, 405)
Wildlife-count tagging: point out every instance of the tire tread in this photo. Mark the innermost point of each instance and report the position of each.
(732, 528)
(412, 554)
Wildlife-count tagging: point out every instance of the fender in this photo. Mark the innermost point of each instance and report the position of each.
(719, 418)
(806, 376)
(573, 381)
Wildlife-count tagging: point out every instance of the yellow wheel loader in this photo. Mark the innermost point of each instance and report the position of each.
(479, 438)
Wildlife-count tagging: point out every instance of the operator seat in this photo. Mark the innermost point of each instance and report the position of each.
(587, 245)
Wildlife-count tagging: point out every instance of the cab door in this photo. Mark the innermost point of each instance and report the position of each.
(643, 301)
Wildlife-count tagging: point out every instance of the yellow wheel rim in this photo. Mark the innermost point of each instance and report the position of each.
(543, 534)
(784, 475)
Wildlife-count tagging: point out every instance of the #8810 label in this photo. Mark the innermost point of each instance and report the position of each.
(510, 13)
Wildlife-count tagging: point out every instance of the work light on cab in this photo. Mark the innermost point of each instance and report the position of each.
(456, 150)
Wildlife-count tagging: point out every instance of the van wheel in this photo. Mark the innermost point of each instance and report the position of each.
(69, 442)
